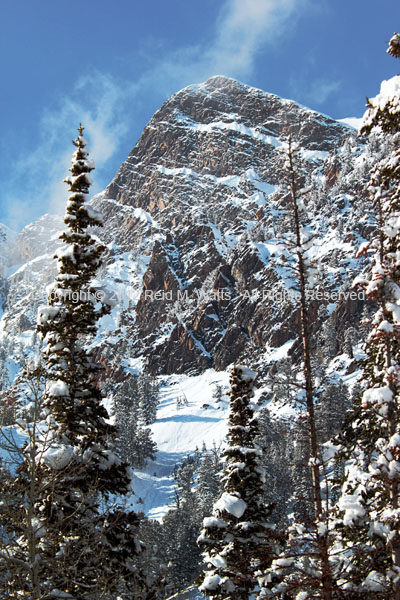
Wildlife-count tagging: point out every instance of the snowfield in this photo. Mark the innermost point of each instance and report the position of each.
(178, 432)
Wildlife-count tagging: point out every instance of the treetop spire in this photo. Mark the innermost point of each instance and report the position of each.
(394, 46)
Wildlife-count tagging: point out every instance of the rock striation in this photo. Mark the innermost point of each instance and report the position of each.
(196, 219)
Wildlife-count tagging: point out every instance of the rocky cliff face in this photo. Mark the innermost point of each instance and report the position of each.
(7, 238)
(196, 269)
(202, 194)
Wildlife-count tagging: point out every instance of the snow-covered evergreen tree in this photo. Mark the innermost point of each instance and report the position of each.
(277, 446)
(181, 528)
(299, 469)
(85, 544)
(148, 398)
(208, 480)
(330, 411)
(21, 484)
(197, 487)
(370, 498)
(132, 413)
(218, 393)
(237, 537)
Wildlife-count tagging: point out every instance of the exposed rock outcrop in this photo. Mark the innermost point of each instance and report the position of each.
(196, 226)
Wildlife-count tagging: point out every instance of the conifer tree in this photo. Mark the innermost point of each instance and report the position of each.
(148, 398)
(370, 498)
(20, 487)
(237, 537)
(85, 544)
(218, 393)
(277, 447)
(134, 440)
(181, 527)
(208, 481)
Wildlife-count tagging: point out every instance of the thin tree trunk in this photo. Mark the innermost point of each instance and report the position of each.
(309, 392)
(32, 533)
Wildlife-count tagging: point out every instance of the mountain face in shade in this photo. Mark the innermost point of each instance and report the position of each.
(196, 268)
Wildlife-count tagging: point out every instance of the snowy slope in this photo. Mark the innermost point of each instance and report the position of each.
(7, 238)
(178, 432)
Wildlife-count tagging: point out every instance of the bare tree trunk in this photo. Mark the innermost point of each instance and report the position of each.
(308, 384)
(32, 533)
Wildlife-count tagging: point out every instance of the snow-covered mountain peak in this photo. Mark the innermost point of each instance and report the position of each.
(223, 95)
(200, 200)
(7, 239)
(38, 238)
(195, 214)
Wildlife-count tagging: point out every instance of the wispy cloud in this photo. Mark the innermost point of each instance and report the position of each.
(242, 28)
(107, 106)
(322, 89)
(314, 92)
(36, 179)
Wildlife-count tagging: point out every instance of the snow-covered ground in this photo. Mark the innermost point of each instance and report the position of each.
(178, 431)
(191, 593)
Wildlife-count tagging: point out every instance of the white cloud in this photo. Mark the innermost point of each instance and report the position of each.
(107, 107)
(105, 120)
(315, 91)
(97, 101)
(242, 28)
(322, 89)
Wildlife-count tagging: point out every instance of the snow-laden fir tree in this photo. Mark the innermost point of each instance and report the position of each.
(238, 537)
(148, 398)
(181, 528)
(277, 453)
(197, 487)
(86, 544)
(132, 413)
(21, 484)
(369, 505)
(209, 479)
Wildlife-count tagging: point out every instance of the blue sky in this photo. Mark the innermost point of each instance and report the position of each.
(112, 65)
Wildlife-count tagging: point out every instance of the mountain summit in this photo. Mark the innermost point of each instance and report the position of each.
(201, 201)
(195, 223)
